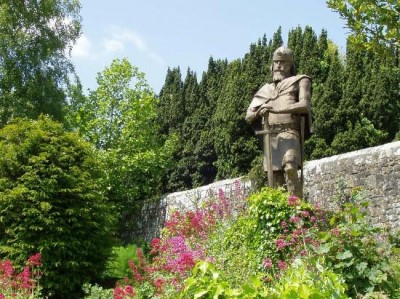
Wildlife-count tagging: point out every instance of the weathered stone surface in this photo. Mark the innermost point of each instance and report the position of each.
(375, 170)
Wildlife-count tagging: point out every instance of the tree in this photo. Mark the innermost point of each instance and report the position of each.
(380, 102)
(119, 117)
(375, 24)
(235, 144)
(171, 105)
(325, 103)
(180, 177)
(34, 68)
(52, 201)
(353, 129)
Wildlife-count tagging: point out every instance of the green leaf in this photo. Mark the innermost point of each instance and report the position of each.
(344, 255)
(200, 294)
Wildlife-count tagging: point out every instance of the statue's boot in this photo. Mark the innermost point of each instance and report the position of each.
(293, 183)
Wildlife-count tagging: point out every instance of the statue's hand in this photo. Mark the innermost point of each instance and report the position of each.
(265, 108)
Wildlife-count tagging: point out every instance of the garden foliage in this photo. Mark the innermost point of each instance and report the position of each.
(279, 247)
(52, 202)
(119, 118)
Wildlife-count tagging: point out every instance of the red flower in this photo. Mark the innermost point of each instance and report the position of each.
(35, 260)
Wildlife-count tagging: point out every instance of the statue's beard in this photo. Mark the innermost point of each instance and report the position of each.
(279, 75)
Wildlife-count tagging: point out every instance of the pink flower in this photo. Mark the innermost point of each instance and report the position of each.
(129, 290)
(155, 246)
(267, 263)
(293, 200)
(119, 293)
(158, 283)
(295, 219)
(7, 268)
(313, 219)
(280, 243)
(267, 279)
(284, 224)
(336, 232)
(281, 265)
(24, 278)
(305, 213)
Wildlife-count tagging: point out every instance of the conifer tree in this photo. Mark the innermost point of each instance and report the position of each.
(309, 58)
(210, 89)
(171, 110)
(276, 42)
(235, 146)
(354, 129)
(324, 104)
(380, 101)
(180, 177)
(295, 43)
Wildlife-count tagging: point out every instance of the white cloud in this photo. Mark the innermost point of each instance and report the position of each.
(116, 42)
(113, 45)
(129, 36)
(82, 48)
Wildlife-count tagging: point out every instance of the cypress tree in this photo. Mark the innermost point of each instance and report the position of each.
(309, 57)
(235, 145)
(210, 89)
(295, 43)
(324, 104)
(171, 108)
(354, 129)
(380, 102)
(180, 177)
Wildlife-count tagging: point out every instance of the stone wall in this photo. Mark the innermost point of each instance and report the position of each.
(375, 170)
(153, 215)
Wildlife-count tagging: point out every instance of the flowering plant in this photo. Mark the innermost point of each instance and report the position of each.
(24, 284)
(174, 255)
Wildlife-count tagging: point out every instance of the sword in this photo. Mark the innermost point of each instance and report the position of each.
(266, 132)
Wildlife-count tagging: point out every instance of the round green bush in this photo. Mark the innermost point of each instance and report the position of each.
(52, 202)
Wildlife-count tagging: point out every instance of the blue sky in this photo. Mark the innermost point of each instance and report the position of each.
(157, 34)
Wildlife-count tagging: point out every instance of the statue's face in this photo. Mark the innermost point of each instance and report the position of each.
(281, 69)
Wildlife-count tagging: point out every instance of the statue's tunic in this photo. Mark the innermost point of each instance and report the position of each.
(285, 139)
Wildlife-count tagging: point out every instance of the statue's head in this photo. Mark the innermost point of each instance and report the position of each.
(282, 64)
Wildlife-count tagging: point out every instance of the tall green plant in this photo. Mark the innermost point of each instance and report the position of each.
(52, 201)
(119, 117)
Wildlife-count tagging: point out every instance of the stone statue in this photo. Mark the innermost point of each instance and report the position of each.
(283, 107)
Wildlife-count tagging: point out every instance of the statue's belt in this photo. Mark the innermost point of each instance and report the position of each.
(280, 128)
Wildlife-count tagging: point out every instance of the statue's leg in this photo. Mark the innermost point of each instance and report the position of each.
(279, 179)
(292, 180)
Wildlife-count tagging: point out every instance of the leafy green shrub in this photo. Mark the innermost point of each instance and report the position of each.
(96, 292)
(118, 263)
(51, 201)
(231, 248)
(307, 278)
(271, 208)
(303, 280)
(358, 251)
